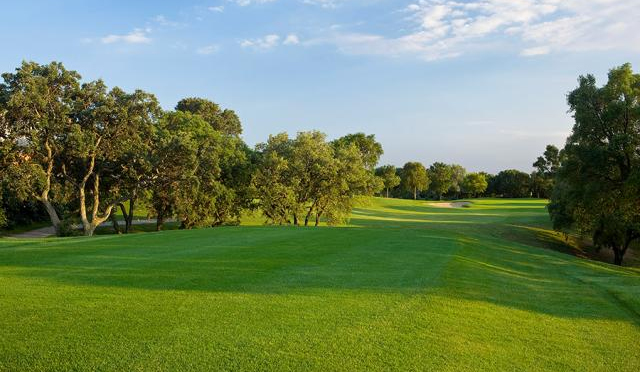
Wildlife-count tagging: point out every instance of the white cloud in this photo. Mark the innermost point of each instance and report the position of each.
(249, 2)
(329, 4)
(536, 51)
(266, 42)
(449, 28)
(217, 9)
(137, 36)
(208, 49)
(291, 39)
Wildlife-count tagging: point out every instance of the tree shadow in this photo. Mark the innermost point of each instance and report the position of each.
(452, 258)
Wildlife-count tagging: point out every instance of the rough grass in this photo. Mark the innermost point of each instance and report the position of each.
(405, 287)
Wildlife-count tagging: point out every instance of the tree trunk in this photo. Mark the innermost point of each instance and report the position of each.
(114, 221)
(44, 196)
(160, 221)
(129, 217)
(295, 219)
(53, 215)
(306, 218)
(387, 192)
(318, 219)
(415, 193)
(617, 256)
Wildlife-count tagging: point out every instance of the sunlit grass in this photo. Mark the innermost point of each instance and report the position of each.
(413, 287)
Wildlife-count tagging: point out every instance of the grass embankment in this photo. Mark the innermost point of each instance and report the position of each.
(406, 286)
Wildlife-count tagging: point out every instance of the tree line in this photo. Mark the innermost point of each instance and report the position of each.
(79, 151)
(452, 181)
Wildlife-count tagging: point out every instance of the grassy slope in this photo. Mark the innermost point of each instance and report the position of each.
(407, 286)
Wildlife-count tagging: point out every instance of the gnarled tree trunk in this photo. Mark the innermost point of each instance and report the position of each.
(44, 195)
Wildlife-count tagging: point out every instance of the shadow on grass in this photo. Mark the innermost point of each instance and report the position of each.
(457, 260)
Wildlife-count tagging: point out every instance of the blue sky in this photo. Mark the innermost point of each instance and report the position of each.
(481, 83)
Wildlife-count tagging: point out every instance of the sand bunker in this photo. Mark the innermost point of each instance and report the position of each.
(451, 205)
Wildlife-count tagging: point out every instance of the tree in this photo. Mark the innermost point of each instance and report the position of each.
(597, 192)
(546, 167)
(389, 177)
(95, 150)
(308, 177)
(272, 182)
(195, 171)
(441, 176)
(457, 177)
(225, 121)
(415, 178)
(37, 101)
(474, 184)
(369, 148)
(512, 183)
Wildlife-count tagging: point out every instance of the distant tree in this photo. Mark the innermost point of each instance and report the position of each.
(546, 167)
(597, 190)
(224, 121)
(474, 184)
(513, 183)
(389, 177)
(37, 101)
(457, 177)
(369, 148)
(441, 176)
(307, 177)
(415, 178)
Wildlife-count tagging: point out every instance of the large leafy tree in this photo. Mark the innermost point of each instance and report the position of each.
(512, 183)
(225, 121)
(369, 148)
(389, 176)
(457, 178)
(415, 178)
(37, 101)
(598, 184)
(474, 184)
(441, 176)
(101, 149)
(194, 171)
(273, 182)
(309, 178)
(134, 172)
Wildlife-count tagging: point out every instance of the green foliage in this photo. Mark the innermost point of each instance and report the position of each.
(225, 121)
(512, 183)
(457, 178)
(370, 149)
(474, 184)
(190, 158)
(598, 184)
(389, 176)
(414, 178)
(36, 102)
(542, 179)
(308, 177)
(441, 176)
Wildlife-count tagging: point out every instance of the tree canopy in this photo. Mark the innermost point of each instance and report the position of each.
(597, 189)
(415, 178)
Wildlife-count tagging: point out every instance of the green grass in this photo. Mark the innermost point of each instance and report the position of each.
(405, 286)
